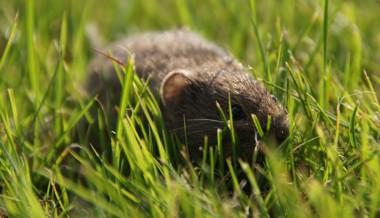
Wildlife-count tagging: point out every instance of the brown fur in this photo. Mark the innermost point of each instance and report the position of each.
(191, 75)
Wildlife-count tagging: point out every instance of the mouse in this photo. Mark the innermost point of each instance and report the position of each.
(191, 76)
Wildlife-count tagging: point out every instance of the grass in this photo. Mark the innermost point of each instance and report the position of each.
(320, 58)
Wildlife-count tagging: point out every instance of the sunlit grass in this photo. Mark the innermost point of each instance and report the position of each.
(320, 58)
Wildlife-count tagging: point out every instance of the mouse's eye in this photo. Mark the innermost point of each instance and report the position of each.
(237, 112)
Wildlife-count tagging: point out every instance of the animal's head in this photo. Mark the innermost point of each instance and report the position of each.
(191, 99)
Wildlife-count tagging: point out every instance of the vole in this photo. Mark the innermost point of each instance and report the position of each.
(191, 75)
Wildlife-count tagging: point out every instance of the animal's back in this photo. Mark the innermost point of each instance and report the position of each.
(157, 54)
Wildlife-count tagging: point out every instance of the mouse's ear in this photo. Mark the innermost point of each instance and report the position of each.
(173, 85)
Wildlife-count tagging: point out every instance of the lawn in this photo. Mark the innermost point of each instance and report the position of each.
(319, 58)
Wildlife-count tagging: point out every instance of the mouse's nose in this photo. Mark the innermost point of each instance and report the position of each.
(280, 128)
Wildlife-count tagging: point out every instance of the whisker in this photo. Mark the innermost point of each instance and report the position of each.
(204, 120)
(191, 126)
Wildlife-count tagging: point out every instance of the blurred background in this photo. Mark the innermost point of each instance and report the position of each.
(353, 36)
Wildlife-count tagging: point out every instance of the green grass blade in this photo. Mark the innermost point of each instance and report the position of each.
(10, 40)
(124, 101)
(30, 44)
(266, 69)
(324, 87)
(352, 128)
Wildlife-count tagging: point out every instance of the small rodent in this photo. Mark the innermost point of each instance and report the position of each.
(191, 75)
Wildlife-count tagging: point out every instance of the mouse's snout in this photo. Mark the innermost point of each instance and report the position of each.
(281, 128)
